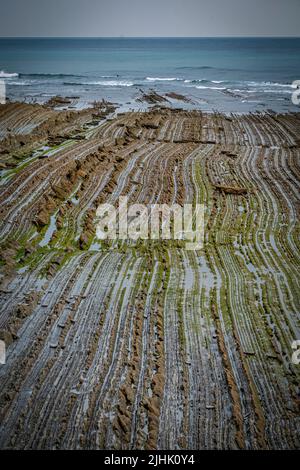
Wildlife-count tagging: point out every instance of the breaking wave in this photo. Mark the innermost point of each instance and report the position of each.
(203, 87)
(162, 79)
(8, 75)
(113, 83)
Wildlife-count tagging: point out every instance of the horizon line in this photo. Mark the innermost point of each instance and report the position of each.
(151, 37)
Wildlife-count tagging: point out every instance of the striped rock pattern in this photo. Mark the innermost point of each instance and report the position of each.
(146, 345)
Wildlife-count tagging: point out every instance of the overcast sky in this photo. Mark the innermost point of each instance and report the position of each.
(150, 18)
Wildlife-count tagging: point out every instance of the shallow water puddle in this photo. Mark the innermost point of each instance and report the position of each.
(50, 230)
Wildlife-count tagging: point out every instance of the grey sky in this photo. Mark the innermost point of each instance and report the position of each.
(150, 18)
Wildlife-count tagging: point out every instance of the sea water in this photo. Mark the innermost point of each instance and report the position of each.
(224, 74)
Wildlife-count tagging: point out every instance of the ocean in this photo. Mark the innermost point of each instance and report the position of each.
(224, 74)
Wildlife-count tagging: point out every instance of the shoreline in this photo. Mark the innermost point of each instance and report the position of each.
(59, 113)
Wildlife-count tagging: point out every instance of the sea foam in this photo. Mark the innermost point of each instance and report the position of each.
(8, 75)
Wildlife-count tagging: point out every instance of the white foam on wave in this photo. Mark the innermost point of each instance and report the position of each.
(267, 90)
(8, 75)
(109, 83)
(161, 79)
(197, 80)
(20, 83)
(280, 92)
(202, 87)
(270, 84)
(113, 83)
(204, 80)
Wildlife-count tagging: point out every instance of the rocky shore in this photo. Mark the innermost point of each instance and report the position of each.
(122, 344)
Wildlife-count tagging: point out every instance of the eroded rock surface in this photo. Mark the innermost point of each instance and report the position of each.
(123, 344)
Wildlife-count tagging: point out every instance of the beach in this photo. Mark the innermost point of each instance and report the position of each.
(142, 344)
(239, 75)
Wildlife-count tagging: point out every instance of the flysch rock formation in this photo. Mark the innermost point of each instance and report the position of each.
(143, 344)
